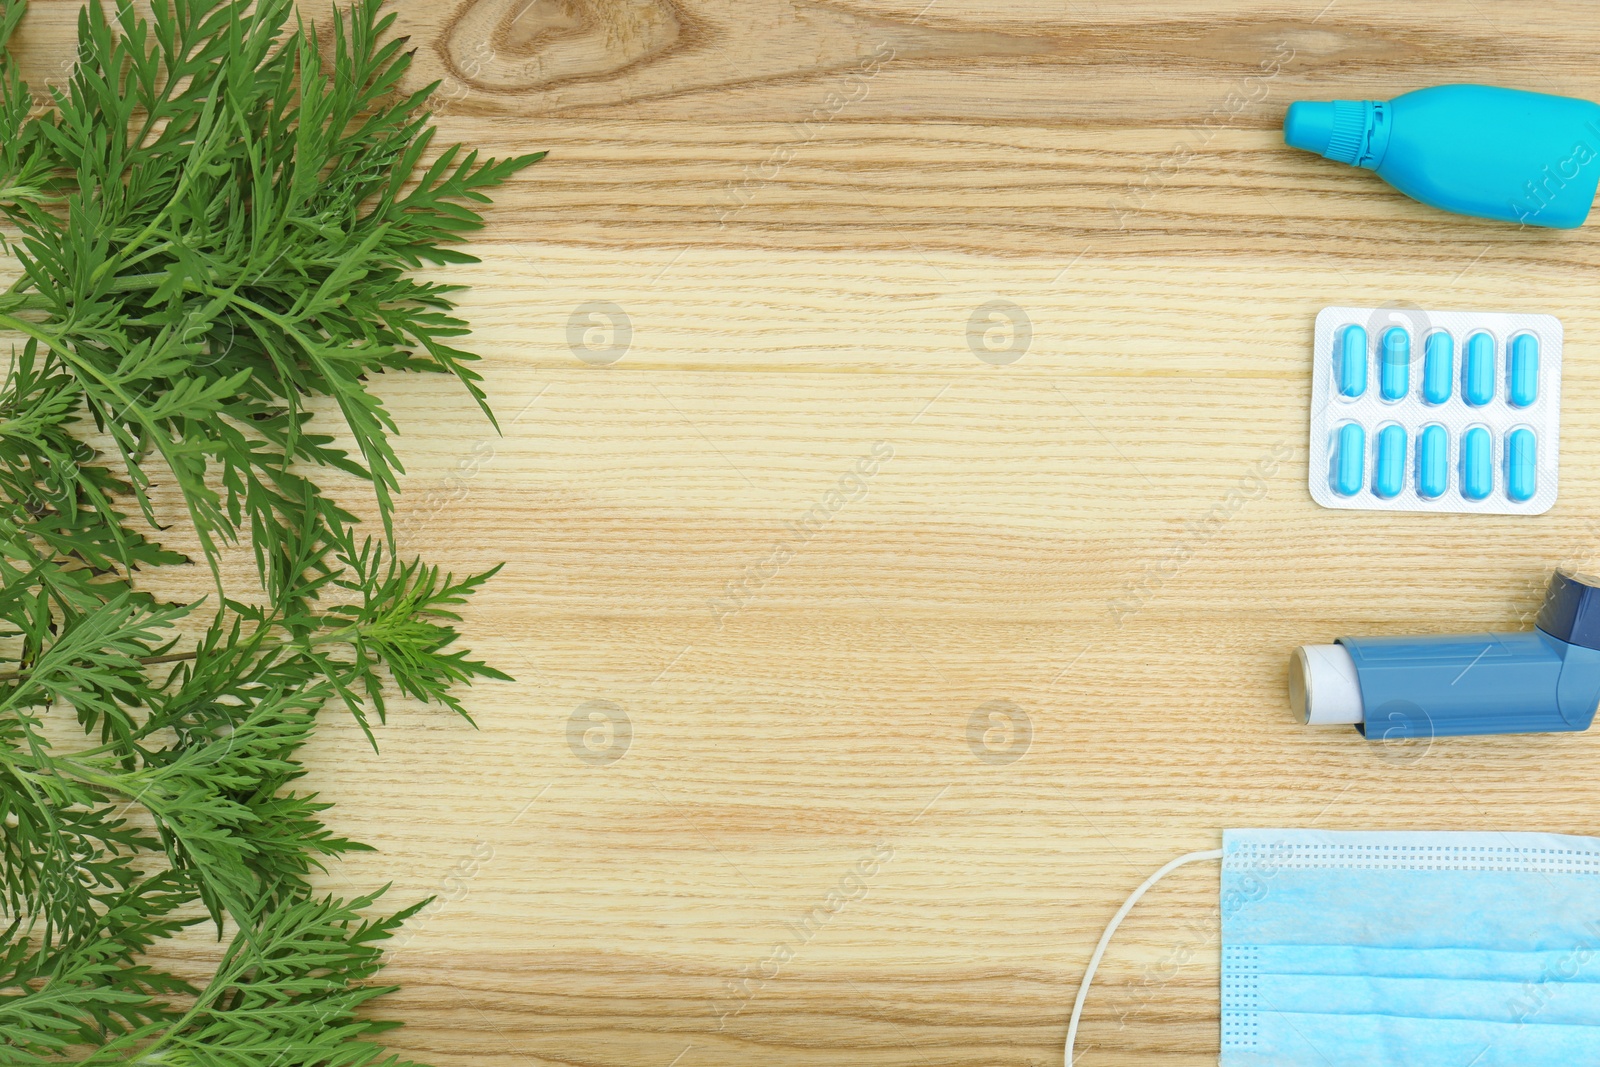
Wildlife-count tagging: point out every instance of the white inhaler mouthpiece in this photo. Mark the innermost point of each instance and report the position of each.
(1323, 687)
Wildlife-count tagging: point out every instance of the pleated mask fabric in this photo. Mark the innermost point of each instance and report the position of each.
(1409, 949)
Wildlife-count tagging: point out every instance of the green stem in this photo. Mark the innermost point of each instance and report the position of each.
(11, 322)
(328, 638)
(233, 968)
(25, 302)
(175, 657)
(131, 282)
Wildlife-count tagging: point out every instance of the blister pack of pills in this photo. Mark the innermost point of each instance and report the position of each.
(1416, 410)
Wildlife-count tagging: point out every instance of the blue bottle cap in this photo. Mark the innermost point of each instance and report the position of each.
(1309, 125)
(1346, 131)
(1571, 610)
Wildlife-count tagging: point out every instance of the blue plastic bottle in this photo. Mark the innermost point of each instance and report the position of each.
(1478, 150)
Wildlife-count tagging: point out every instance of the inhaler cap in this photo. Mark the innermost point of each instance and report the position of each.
(1323, 687)
(1571, 610)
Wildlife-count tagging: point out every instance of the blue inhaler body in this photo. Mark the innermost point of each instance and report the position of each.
(1543, 680)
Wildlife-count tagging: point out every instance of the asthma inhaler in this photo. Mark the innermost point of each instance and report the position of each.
(1478, 150)
(1544, 680)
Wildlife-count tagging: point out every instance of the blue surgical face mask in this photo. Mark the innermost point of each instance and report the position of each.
(1411, 949)
(1398, 949)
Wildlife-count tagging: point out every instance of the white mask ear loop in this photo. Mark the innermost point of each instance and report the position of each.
(1111, 928)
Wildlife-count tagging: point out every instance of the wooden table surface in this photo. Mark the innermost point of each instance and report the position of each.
(903, 501)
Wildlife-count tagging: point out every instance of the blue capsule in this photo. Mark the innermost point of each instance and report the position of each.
(1438, 367)
(1477, 469)
(1477, 384)
(1395, 373)
(1351, 360)
(1389, 476)
(1522, 473)
(1350, 459)
(1433, 461)
(1524, 370)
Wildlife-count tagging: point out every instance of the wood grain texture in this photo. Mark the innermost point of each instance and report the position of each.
(1039, 649)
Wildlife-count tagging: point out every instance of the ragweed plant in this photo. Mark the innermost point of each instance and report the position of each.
(215, 223)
